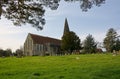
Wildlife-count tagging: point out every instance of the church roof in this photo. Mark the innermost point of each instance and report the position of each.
(37, 39)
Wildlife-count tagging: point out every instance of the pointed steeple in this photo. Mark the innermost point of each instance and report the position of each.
(66, 27)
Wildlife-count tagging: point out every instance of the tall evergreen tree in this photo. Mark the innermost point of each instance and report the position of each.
(70, 42)
(110, 40)
(89, 45)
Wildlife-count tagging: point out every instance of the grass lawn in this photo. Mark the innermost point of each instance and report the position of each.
(97, 66)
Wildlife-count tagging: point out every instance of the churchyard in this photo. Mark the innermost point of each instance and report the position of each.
(88, 66)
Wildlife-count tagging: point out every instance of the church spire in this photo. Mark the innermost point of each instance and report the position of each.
(66, 27)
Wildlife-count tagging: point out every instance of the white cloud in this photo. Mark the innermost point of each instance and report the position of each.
(12, 36)
(11, 43)
(98, 36)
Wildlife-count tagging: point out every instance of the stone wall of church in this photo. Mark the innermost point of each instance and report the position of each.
(38, 49)
(28, 46)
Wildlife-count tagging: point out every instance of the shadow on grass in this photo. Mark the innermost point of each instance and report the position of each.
(61, 77)
(36, 74)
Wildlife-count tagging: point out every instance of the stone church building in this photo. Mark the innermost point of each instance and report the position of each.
(41, 45)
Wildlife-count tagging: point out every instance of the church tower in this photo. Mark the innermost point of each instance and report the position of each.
(66, 27)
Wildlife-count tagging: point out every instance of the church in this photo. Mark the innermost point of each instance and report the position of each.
(40, 45)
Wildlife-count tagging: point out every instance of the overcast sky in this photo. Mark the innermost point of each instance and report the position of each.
(96, 22)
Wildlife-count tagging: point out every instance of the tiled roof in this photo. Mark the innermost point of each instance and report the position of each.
(37, 39)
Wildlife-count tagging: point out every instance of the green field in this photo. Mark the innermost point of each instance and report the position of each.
(97, 66)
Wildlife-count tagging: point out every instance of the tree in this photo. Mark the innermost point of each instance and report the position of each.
(87, 4)
(70, 42)
(19, 53)
(1, 52)
(8, 52)
(32, 11)
(110, 40)
(89, 45)
(5, 53)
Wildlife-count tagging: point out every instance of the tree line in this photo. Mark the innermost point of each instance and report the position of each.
(8, 52)
(5, 53)
(71, 42)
